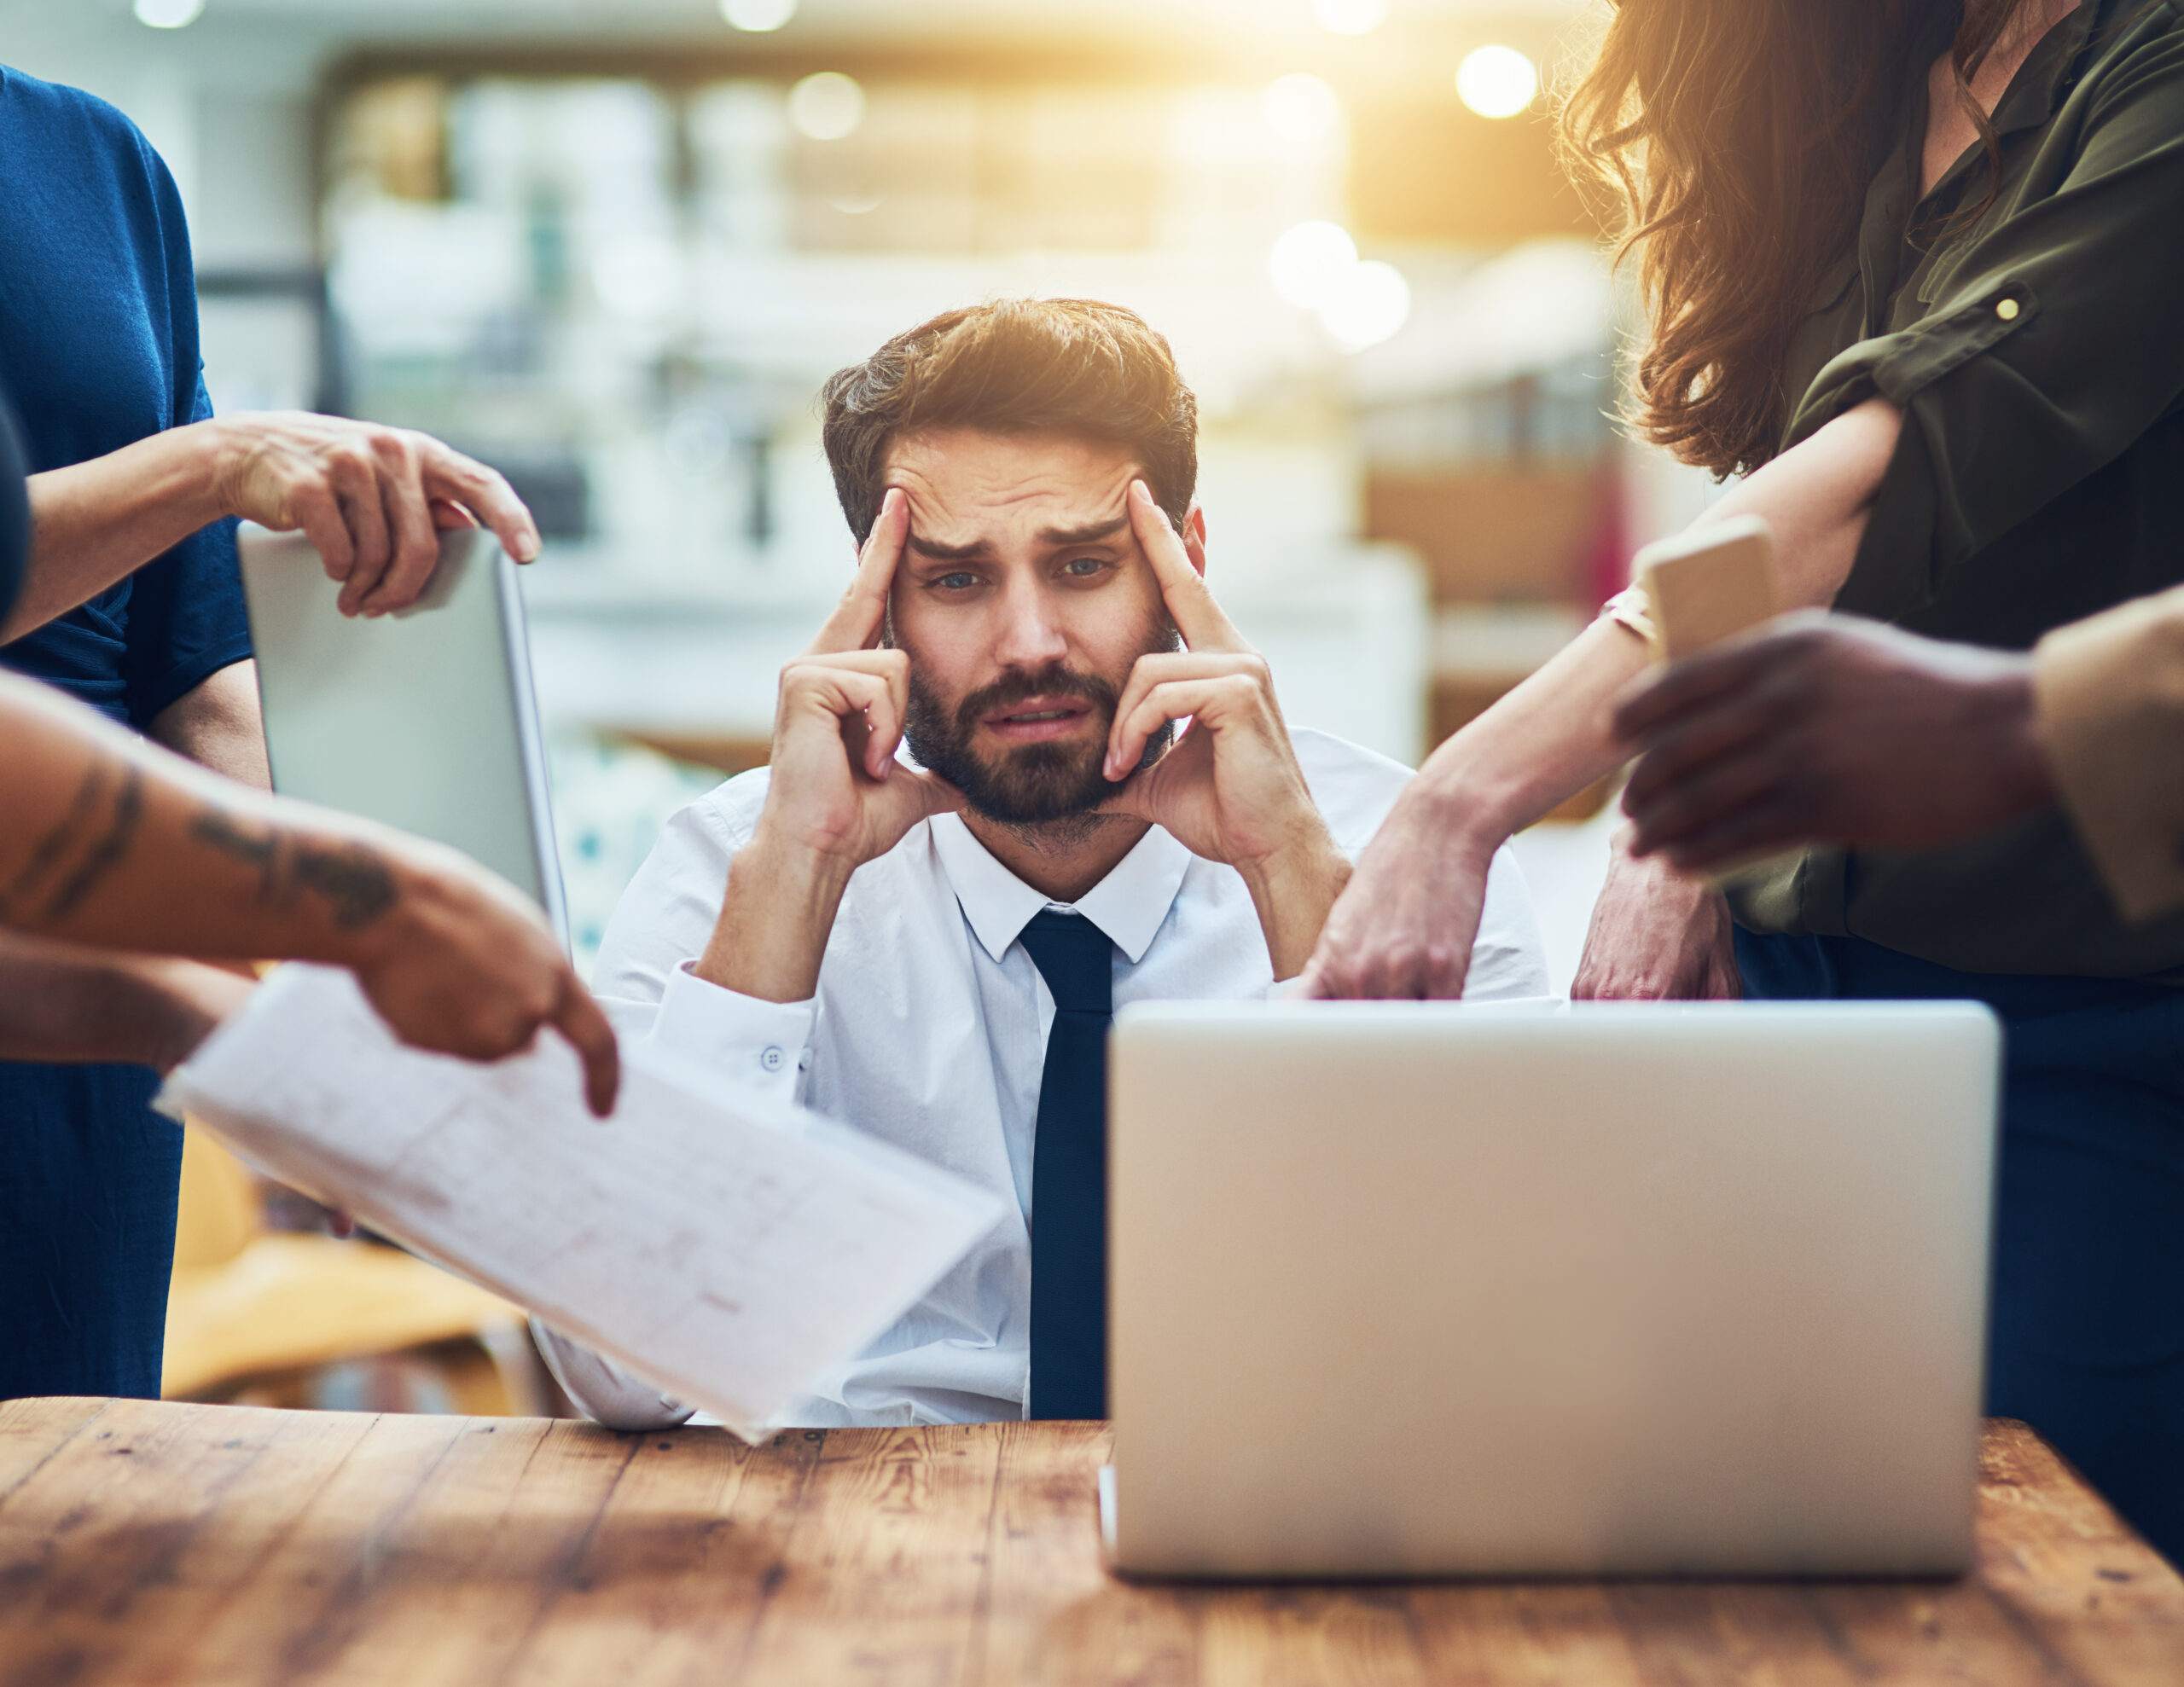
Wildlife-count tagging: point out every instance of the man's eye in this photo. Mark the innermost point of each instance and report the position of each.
(956, 582)
(1083, 567)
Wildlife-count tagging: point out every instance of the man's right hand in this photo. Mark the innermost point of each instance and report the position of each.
(836, 797)
(464, 965)
(837, 792)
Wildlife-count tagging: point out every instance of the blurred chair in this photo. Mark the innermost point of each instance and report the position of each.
(264, 1313)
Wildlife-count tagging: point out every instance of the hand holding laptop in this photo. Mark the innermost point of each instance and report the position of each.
(374, 499)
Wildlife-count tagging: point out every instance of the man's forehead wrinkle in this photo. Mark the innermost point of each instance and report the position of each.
(965, 497)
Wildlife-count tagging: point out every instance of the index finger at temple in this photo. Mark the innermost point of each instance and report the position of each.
(1191, 606)
(856, 620)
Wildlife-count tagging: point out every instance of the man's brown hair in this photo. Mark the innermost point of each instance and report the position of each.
(1070, 366)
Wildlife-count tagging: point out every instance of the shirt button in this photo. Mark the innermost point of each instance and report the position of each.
(771, 1059)
(2008, 309)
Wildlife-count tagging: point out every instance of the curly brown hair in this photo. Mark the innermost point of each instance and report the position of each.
(1069, 365)
(1734, 141)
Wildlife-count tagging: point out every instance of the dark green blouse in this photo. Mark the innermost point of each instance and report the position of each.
(2038, 356)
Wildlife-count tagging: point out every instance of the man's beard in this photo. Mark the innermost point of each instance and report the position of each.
(1030, 784)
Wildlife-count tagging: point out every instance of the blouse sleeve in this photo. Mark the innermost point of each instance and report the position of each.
(2060, 339)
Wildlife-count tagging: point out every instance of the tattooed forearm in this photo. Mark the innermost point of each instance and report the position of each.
(352, 878)
(109, 852)
(52, 852)
(70, 861)
(218, 827)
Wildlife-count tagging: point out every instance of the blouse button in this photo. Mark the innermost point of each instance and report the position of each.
(771, 1059)
(2007, 309)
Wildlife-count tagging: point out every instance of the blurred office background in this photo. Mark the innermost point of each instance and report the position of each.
(613, 247)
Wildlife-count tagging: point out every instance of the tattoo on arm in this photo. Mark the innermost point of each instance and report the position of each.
(351, 878)
(68, 863)
(109, 852)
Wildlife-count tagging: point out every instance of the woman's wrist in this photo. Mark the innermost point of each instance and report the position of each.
(1472, 813)
(223, 448)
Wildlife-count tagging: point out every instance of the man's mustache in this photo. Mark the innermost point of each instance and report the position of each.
(1052, 680)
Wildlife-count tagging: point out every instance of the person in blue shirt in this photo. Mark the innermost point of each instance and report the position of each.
(99, 353)
(109, 848)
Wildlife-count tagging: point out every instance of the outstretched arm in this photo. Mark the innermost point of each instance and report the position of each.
(109, 841)
(1405, 925)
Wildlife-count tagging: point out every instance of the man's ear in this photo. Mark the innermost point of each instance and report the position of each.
(1194, 538)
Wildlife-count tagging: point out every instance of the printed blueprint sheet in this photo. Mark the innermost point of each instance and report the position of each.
(727, 1251)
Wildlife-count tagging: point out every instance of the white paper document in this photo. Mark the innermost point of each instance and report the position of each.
(729, 1251)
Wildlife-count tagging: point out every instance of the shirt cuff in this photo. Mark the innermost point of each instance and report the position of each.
(761, 1045)
(1632, 608)
(601, 1389)
(2111, 693)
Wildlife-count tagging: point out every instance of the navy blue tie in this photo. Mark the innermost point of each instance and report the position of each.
(1069, 1170)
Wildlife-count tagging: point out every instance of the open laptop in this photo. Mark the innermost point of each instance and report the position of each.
(1409, 1289)
(424, 719)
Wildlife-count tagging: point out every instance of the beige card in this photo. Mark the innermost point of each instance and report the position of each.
(1704, 587)
(1709, 585)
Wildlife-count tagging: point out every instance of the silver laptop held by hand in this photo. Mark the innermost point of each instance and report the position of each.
(423, 719)
(1411, 1290)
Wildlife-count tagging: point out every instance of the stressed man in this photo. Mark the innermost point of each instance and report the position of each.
(930, 948)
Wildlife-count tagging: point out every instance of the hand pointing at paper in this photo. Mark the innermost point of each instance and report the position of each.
(114, 844)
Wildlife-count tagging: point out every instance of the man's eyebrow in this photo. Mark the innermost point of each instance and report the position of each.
(976, 551)
(1085, 536)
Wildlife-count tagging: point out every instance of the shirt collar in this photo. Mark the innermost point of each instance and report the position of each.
(2045, 78)
(1129, 904)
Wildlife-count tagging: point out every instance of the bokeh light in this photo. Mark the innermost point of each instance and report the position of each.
(1497, 81)
(1351, 17)
(1310, 261)
(1368, 303)
(827, 106)
(757, 16)
(169, 13)
(1300, 108)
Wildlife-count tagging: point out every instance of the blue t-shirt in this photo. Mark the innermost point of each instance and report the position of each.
(98, 349)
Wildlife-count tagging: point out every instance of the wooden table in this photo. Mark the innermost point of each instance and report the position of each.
(142, 1542)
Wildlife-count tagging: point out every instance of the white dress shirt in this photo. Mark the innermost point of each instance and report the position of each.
(929, 1030)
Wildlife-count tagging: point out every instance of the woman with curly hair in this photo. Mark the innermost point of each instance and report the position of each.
(1915, 271)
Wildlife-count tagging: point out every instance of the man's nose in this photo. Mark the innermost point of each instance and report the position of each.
(1031, 633)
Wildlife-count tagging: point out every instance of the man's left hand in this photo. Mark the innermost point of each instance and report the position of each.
(1230, 790)
(1656, 935)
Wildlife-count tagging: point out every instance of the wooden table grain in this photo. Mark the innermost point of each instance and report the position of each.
(142, 1542)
